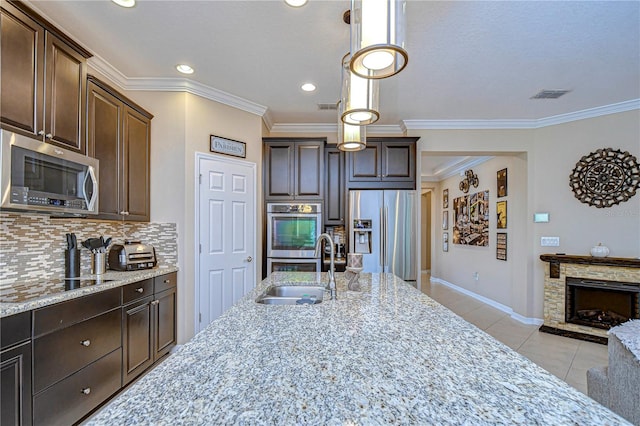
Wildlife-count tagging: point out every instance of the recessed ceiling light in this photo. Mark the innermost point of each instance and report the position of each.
(125, 3)
(308, 87)
(295, 3)
(184, 69)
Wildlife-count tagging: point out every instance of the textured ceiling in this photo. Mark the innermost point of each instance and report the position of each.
(478, 60)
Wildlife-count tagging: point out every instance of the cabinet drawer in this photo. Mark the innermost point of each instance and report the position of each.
(165, 282)
(67, 313)
(137, 290)
(59, 354)
(74, 397)
(15, 329)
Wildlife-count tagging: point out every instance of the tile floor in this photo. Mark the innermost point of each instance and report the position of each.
(566, 358)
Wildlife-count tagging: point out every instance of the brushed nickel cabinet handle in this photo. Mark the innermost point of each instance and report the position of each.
(86, 391)
(167, 281)
(140, 290)
(41, 133)
(48, 136)
(86, 342)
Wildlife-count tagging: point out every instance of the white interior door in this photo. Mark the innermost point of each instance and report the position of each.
(226, 229)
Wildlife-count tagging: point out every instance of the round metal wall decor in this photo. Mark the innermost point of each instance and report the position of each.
(605, 178)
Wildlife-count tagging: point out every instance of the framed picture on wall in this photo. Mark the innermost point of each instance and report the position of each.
(501, 211)
(445, 220)
(445, 199)
(501, 246)
(501, 183)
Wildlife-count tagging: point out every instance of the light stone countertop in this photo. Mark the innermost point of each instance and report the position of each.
(47, 292)
(388, 354)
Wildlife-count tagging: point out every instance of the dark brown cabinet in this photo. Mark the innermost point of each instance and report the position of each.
(391, 161)
(77, 356)
(15, 370)
(42, 78)
(165, 315)
(293, 168)
(137, 338)
(119, 135)
(149, 325)
(334, 190)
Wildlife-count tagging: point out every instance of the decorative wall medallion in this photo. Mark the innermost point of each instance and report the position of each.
(470, 180)
(605, 178)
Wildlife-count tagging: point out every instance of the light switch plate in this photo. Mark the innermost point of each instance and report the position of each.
(550, 241)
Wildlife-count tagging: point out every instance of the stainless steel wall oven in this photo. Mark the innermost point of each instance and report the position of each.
(292, 230)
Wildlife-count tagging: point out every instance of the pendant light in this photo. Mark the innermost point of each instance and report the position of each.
(350, 137)
(377, 38)
(360, 97)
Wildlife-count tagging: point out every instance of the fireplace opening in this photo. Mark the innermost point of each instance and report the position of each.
(601, 304)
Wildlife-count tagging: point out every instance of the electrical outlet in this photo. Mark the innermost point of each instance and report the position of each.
(550, 241)
(476, 276)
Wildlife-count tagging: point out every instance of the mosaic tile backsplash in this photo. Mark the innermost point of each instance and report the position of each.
(32, 246)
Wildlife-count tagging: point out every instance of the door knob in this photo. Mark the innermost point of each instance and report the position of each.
(249, 259)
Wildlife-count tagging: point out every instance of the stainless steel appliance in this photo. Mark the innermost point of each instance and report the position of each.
(292, 230)
(41, 177)
(132, 256)
(288, 264)
(382, 226)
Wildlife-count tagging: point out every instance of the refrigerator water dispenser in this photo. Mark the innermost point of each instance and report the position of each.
(362, 236)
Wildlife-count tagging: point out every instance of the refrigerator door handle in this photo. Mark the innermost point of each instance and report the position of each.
(382, 232)
(386, 236)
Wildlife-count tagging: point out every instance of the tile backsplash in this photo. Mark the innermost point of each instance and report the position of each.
(32, 246)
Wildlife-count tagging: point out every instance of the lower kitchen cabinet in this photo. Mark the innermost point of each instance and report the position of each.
(60, 362)
(149, 327)
(165, 309)
(71, 399)
(137, 341)
(15, 370)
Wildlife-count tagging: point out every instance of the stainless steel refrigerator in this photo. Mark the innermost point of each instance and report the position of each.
(383, 225)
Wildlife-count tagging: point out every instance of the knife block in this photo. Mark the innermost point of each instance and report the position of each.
(72, 263)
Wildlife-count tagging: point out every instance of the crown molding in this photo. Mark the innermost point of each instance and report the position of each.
(468, 124)
(332, 128)
(175, 85)
(625, 106)
(630, 105)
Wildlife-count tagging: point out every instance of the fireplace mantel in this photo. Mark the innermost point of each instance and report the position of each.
(627, 262)
(562, 266)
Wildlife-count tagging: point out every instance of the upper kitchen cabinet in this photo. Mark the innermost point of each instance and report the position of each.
(384, 163)
(293, 168)
(119, 135)
(42, 78)
(334, 193)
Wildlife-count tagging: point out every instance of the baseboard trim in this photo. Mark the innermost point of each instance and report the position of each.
(504, 308)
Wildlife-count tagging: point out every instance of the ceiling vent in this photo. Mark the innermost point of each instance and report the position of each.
(328, 107)
(549, 94)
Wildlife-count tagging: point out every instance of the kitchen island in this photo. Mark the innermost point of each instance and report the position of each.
(387, 354)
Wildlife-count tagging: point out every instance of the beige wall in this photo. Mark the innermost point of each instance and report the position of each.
(180, 128)
(539, 163)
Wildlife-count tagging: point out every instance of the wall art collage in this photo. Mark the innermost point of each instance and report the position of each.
(471, 219)
(501, 212)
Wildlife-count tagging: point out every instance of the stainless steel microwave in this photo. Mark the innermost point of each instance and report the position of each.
(40, 177)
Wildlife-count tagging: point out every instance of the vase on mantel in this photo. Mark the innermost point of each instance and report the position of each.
(599, 251)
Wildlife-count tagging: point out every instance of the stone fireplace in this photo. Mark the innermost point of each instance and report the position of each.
(584, 296)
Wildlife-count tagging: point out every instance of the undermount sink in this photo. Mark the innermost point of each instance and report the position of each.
(292, 295)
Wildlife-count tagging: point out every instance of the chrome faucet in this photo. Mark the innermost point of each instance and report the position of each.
(331, 285)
